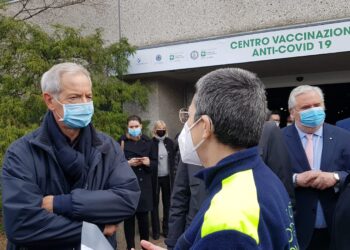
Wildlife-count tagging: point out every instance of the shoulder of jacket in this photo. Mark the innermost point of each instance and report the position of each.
(145, 138)
(232, 209)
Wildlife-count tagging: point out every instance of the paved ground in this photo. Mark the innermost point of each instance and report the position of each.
(122, 243)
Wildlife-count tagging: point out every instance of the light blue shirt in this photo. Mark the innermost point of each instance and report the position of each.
(317, 139)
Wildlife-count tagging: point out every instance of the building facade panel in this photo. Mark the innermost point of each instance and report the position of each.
(152, 22)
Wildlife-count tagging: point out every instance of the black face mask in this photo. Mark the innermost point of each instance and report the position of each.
(160, 133)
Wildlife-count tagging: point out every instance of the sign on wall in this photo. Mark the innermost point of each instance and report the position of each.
(277, 44)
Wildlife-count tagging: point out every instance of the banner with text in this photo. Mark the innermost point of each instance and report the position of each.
(277, 44)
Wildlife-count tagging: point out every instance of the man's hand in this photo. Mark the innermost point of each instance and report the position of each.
(323, 180)
(109, 230)
(145, 161)
(306, 178)
(149, 246)
(47, 203)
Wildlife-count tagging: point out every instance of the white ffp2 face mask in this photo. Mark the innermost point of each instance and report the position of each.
(188, 151)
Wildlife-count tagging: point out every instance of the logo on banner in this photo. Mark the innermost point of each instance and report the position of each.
(194, 54)
(158, 58)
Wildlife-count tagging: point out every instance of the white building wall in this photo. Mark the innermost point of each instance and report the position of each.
(152, 22)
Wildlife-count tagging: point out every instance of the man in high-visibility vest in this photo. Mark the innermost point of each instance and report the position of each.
(247, 206)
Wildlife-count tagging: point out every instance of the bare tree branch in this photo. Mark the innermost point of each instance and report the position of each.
(24, 4)
(31, 8)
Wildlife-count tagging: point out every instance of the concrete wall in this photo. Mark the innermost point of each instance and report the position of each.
(152, 22)
(167, 97)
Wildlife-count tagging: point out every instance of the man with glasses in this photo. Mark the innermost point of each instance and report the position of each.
(183, 115)
(187, 195)
(65, 172)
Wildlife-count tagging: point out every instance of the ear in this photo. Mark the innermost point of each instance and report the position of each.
(207, 127)
(292, 113)
(49, 101)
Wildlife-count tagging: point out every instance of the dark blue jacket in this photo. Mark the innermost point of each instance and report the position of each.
(186, 199)
(345, 124)
(247, 208)
(341, 220)
(335, 158)
(30, 172)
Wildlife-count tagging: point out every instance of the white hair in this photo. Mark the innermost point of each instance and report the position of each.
(302, 90)
(51, 79)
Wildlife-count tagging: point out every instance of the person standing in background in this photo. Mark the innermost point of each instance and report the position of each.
(163, 176)
(320, 155)
(275, 117)
(137, 150)
(290, 121)
(345, 124)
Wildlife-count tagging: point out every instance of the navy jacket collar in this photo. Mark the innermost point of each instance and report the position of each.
(41, 138)
(229, 165)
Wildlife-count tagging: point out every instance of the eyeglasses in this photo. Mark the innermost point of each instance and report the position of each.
(183, 115)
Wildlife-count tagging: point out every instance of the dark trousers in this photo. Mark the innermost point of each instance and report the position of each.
(320, 240)
(164, 185)
(129, 228)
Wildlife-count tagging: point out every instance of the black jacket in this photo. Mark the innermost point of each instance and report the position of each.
(186, 199)
(141, 148)
(341, 220)
(31, 171)
(169, 145)
(274, 152)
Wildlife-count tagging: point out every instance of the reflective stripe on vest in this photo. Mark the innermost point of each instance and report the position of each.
(234, 207)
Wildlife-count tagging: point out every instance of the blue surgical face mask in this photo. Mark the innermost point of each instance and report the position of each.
(312, 117)
(134, 131)
(77, 115)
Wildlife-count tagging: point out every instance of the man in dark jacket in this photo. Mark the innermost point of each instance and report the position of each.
(341, 220)
(320, 156)
(247, 206)
(274, 152)
(186, 199)
(65, 172)
(189, 191)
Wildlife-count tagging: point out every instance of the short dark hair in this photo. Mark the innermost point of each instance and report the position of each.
(235, 100)
(275, 112)
(133, 118)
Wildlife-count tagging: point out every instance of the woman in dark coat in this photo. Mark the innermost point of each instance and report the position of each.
(163, 176)
(137, 150)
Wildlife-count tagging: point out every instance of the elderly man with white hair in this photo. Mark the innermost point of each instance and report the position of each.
(65, 172)
(320, 155)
